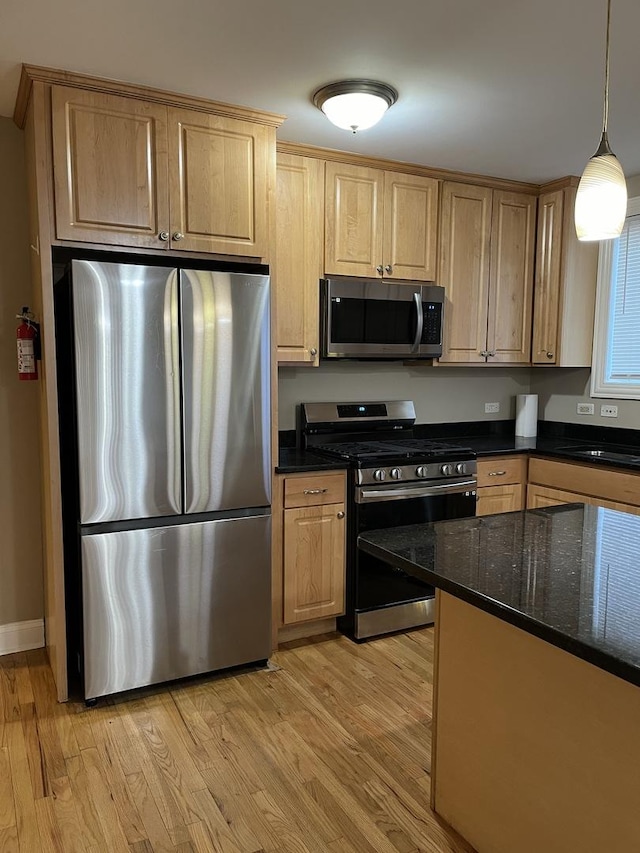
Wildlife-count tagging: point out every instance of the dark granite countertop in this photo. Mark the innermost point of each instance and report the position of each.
(567, 574)
(496, 438)
(294, 460)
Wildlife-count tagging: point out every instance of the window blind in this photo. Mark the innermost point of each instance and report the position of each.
(623, 357)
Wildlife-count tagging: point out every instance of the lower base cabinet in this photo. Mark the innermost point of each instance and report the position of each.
(501, 484)
(552, 483)
(313, 547)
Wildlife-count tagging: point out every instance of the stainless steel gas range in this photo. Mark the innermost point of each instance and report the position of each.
(395, 478)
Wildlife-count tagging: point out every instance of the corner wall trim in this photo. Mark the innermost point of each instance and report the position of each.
(21, 636)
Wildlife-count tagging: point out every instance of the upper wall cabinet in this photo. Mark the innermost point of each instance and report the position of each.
(380, 224)
(298, 262)
(565, 286)
(487, 244)
(135, 173)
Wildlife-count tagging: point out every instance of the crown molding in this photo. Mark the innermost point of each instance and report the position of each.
(53, 76)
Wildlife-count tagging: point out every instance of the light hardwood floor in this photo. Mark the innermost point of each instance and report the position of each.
(328, 750)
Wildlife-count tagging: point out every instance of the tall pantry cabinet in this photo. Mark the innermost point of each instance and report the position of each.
(114, 166)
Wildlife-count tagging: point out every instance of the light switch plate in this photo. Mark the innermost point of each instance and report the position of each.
(491, 408)
(609, 411)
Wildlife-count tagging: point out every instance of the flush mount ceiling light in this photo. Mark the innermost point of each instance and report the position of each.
(355, 104)
(601, 200)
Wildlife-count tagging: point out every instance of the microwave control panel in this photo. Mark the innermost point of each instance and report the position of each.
(432, 323)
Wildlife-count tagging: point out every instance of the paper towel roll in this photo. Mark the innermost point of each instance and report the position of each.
(527, 415)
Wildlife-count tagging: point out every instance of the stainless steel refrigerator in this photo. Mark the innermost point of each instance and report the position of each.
(172, 470)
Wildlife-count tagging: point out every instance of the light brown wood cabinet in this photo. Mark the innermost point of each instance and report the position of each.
(552, 482)
(142, 174)
(380, 224)
(487, 243)
(501, 484)
(298, 263)
(565, 285)
(314, 543)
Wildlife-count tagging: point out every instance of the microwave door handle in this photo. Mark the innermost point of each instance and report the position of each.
(417, 298)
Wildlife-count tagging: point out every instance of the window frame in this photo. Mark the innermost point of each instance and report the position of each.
(600, 387)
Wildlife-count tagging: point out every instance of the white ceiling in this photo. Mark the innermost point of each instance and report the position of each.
(510, 88)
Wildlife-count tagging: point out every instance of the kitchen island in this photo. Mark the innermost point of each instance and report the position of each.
(537, 675)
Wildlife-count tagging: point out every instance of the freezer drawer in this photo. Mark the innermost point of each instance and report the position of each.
(128, 390)
(226, 368)
(167, 602)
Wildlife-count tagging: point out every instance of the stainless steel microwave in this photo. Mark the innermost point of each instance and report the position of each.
(363, 318)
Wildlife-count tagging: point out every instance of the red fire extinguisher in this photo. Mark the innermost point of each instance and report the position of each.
(28, 339)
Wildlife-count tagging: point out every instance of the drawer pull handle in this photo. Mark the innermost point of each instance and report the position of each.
(496, 473)
(315, 491)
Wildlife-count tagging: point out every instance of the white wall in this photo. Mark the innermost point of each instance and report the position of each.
(561, 389)
(441, 394)
(20, 539)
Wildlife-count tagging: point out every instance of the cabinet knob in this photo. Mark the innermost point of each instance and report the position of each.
(549, 355)
(340, 514)
(178, 236)
(164, 236)
(485, 353)
(379, 269)
(388, 269)
(313, 352)
(491, 353)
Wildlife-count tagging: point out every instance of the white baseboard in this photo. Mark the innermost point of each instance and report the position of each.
(21, 636)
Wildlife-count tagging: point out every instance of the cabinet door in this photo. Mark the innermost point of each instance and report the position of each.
(500, 499)
(541, 496)
(314, 562)
(464, 270)
(410, 227)
(110, 168)
(298, 261)
(513, 235)
(219, 183)
(547, 283)
(353, 206)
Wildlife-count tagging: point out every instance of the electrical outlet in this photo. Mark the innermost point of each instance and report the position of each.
(609, 411)
(491, 408)
(585, 408)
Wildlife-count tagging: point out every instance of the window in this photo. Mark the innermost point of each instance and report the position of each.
(616, 347)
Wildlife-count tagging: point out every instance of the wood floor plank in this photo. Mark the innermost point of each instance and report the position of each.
(9, 840)
(156, 831)
(7, 808)
(23, 793)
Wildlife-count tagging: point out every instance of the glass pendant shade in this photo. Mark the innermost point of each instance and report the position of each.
(355, 104)
(601, 200)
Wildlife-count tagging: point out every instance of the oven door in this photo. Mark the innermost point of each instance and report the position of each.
(387, 599)
(368, 319)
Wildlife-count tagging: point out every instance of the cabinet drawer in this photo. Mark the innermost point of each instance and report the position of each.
(501, 470)
(314, 490)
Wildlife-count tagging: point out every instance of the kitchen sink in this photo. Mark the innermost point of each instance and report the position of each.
(631, 456)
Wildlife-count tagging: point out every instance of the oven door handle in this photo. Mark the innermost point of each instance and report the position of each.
(417, 298)
(364, 495)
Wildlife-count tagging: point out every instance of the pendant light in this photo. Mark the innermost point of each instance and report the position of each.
(601, 200)
(355, 104)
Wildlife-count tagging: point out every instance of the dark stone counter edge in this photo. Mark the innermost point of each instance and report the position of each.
(609, 663)
(294, 461)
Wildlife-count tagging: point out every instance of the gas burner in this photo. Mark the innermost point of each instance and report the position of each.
(393, 449)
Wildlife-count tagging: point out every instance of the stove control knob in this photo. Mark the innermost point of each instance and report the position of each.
(446, 470)
(461, 468)
(396, 473)
(422, 471)
(379, 475)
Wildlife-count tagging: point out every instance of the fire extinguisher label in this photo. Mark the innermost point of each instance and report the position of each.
(26, 356)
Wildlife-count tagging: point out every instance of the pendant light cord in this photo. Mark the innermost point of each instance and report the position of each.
(605, 118)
